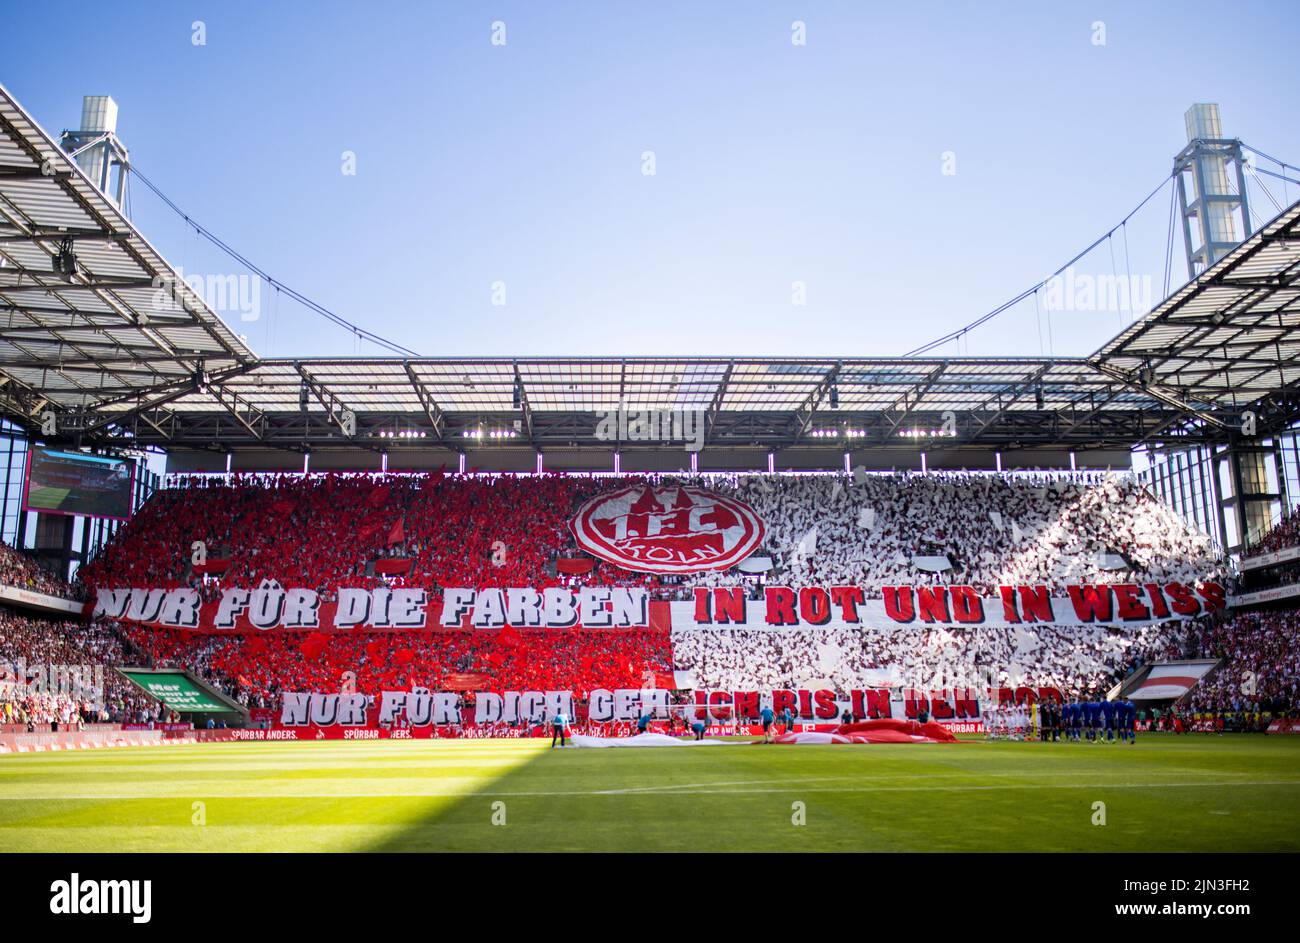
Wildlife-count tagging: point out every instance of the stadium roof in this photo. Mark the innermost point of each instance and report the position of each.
(123, 364)
(1230, 337)
(772, 402)
(100, 336)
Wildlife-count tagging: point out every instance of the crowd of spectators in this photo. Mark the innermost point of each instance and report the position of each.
(255, 670)
(994, 530)
(60, 672)
(324, 532)
(1261, 652)
(1073, 659)
(1284, 534)
(20, 570)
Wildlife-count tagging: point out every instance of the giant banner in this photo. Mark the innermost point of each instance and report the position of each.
(273, 607)
(421, 707)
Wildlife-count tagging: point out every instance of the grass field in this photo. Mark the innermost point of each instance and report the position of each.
(1191, 793)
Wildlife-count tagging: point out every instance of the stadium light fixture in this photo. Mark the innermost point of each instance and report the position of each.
(64, 262)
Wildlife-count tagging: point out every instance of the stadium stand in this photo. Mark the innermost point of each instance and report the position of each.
(1073, 659)
(995, 529)
(323, 531)
(18, 569)
(255, 670)
(327, 531)
(1280, 545)
(29, 645)
(1261, 671)
(1285, 534)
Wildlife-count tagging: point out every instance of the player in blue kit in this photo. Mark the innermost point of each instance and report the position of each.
(1109, 718)
(1091, 719)
(1128, 714)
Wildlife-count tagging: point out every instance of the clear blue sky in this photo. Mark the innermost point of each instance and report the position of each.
(775, 163)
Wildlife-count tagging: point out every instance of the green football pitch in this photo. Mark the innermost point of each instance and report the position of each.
(1167, 793)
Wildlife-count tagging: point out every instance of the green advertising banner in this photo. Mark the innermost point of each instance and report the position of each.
(176, 691)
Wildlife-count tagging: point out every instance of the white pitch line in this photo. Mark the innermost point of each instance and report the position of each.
(784, 789)
(714, 785)
(955, 787)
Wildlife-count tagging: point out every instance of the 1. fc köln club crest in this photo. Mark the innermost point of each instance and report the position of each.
(673, 529)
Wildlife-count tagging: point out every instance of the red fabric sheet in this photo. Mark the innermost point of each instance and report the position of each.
(890, 729)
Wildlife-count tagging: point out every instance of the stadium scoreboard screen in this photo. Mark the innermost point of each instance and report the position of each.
(77, 483)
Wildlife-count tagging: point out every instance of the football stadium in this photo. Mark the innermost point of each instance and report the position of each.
(1034, 590)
